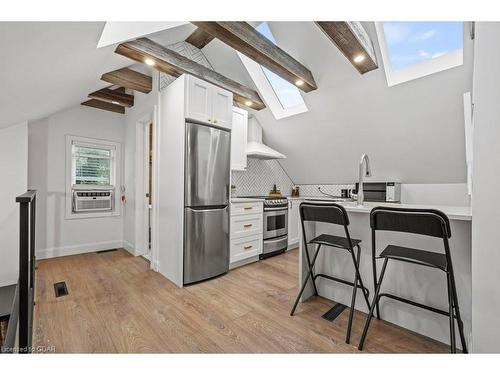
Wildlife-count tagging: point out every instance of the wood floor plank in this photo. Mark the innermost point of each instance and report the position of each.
(116, 304)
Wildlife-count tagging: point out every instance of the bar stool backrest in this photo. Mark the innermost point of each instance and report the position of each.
(324, 212)
(426, 222)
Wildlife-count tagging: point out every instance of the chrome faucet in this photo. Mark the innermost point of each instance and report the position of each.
(364, 160)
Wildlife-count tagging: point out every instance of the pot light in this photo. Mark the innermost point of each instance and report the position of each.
(359, 58)
(149, 62)
(115, 102)
(248, 103)
(299, 82)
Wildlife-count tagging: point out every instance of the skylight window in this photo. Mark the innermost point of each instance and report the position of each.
(412, 50)
(282, 98)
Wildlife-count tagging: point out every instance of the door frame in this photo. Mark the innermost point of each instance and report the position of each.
(141, 184)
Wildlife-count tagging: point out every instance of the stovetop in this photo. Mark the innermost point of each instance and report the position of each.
(271, 201)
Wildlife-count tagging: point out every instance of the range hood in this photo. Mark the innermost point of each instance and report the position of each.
(255, 148)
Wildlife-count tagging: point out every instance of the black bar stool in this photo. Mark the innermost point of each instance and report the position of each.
(424, 222)
(333, 214)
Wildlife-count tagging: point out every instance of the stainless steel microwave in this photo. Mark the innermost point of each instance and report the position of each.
(381, 191)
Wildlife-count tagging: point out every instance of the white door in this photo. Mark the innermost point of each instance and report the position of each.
(199, 100)
(239, 139)
(222, 107)
(293, 223)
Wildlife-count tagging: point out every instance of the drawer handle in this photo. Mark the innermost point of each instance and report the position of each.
(247, 225)
(248, 208)
(248, 247)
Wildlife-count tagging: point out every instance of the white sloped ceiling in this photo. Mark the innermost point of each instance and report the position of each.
(413, 132)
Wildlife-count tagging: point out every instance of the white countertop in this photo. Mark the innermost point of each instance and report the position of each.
(246, 200)
(453, 212)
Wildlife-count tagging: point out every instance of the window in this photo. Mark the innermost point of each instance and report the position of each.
(411, 50)
(282, 97)
(92, 164)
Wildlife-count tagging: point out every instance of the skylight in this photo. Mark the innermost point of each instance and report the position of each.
(282, 98)
(287, 93)
(412, 50)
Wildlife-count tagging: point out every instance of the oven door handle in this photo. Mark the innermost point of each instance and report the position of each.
(274, 240)
(276, 209)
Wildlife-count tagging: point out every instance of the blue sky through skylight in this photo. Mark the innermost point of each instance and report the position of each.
(288, 94)
(409, 43)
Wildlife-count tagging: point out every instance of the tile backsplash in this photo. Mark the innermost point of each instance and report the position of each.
(331, 189)
(260, 177)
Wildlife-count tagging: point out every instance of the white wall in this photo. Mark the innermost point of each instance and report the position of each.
(486, 182)
(56, 235)
(14, 172)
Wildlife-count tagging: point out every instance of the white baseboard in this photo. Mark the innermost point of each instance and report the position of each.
(78, 249)
(129, 247)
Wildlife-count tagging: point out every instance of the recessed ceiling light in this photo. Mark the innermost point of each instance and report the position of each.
(115, 102)
(149, 62)
(359, 58)
(299, 82)
(248, 103)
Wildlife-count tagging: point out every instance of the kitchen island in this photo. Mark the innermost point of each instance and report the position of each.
(421, 284)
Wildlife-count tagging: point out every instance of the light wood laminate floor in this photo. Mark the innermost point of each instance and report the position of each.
(117, 305)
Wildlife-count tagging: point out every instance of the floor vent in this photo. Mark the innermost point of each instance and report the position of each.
(105, 251)
(335, 311)
(61, 289)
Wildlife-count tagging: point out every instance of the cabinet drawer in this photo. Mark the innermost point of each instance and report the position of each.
(246, 225)
(246, 247)
(246, 208)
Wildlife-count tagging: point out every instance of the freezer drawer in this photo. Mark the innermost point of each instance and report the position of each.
(207, 166)
(206, 243)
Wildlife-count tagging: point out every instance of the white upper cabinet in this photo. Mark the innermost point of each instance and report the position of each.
(208, 103)
(198, 100)
(239, 139)
(222, 107)
(293, 222)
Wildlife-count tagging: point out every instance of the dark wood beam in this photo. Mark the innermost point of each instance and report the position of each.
(94, 103)
(353, 41)
(130, 79)
(199, 38)
(113, 96)
(244, 38)
(174, 64)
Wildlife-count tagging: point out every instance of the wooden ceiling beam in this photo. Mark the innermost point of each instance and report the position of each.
(94, 103)
(199, 38)
(113, 97)
(245, 39)
(174, 64)
(353, 41)
(130, 79)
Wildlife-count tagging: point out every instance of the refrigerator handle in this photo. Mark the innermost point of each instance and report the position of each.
(206, 209)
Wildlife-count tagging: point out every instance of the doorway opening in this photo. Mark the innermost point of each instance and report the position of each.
(148, 188)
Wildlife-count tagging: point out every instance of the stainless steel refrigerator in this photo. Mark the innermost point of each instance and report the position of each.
(206, 202)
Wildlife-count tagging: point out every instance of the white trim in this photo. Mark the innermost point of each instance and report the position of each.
(129, 247)
(266, 90)
(141, 235)
(116, 175)
(421, 69)
(78, 249)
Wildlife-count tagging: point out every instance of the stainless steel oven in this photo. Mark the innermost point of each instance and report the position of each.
(275, 222)
(275, 226)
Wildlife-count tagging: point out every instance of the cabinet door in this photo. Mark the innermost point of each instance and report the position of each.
(293, 222)
(222, 107)
(239, 139)
(199, 100)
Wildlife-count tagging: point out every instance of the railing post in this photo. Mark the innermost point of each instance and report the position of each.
(24, 282)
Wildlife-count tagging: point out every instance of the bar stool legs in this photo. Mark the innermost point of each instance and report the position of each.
(452, 317)
(457, 311)
(309, 275)
(372, 308)
(357, 278)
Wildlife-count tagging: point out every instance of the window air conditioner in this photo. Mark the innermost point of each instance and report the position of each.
(92, 200)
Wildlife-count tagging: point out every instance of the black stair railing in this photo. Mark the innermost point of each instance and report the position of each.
(20, 325)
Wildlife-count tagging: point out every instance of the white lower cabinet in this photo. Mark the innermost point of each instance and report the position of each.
(293, 222)
(246, 231)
